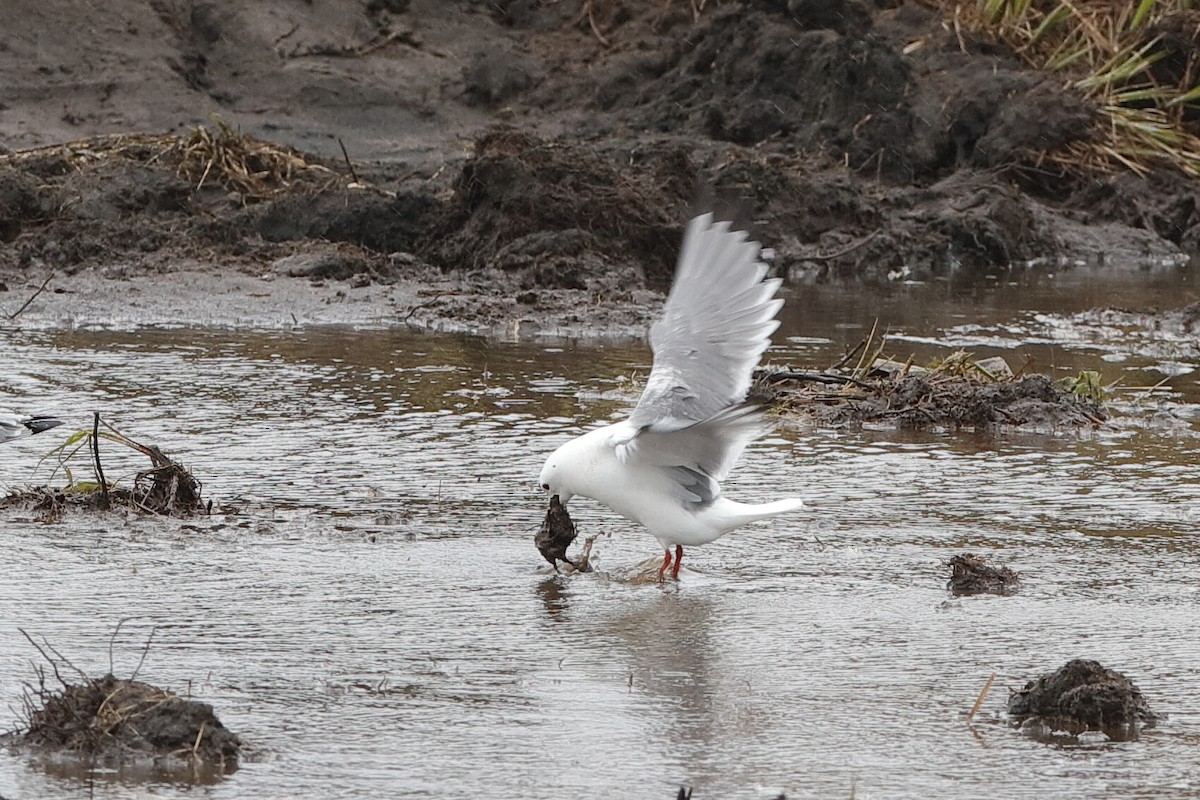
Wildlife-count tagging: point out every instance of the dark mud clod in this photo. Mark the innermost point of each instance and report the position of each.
(556, 535)
(971, 575)
(1084, 696)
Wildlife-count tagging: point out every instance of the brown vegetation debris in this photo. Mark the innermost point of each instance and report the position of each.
(167, 487)
(217, 155)
(958, 392)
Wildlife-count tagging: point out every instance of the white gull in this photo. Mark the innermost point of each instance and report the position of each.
(662, 467)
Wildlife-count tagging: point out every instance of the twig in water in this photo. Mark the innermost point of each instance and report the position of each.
(844, 360)
(112, 639)
(863, 358)
(145, 650)
(982, 695)
(41, 289)
(105, 500)
(54, 664)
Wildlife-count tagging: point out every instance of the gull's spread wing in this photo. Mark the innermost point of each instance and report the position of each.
(717, 322)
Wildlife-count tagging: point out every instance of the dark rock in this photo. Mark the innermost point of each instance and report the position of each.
(494, 76)
(327, 264)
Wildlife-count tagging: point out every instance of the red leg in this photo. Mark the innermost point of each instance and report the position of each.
(678, 561)
(666, 563)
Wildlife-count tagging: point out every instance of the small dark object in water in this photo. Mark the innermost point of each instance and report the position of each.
(972, 576)
(1084, 696)
(556, 534)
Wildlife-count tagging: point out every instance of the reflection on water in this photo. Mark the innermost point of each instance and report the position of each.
(367, 608)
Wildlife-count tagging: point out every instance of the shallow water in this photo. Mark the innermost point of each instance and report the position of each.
(366, 608)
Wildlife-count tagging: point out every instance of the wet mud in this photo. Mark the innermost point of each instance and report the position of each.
(970, 574)
(556, 534)
(1080, 696)
(559, 154)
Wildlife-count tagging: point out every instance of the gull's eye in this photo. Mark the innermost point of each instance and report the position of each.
(546, 486)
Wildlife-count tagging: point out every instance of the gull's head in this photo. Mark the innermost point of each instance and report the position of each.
(554, 477)
(564, 470)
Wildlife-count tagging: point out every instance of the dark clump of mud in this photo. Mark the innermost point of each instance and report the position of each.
(929, 400)
(556, 534)
(1082, 696)
(561, 214)
(115, 720)
(972, 575)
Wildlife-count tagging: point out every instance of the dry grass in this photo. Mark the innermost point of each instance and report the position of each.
(1139, 60)
(240, 163)
(215, 155)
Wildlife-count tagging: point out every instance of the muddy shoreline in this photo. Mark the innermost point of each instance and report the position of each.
(524, 169)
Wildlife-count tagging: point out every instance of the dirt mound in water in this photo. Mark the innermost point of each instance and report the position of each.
(1083, 696)
(116, 720)
(929, 401)
(970, 574)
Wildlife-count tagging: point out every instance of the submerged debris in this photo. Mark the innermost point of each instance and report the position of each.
(556, 534)
(955, 393)
(971, 575)
(1082, 696)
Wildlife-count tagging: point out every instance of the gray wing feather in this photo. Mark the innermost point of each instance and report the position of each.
(717, 322)
(698, 457)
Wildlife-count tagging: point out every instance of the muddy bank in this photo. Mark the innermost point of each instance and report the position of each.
(525, 161)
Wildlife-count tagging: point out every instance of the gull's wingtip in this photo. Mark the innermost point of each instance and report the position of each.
(41, 423)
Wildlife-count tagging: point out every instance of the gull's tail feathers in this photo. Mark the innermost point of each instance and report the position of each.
(729, 514)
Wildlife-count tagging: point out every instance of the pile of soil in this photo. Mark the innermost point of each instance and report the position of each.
(117, 720)
(970, 575)
(1082, 696)
(921, 401)
(543, 157)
